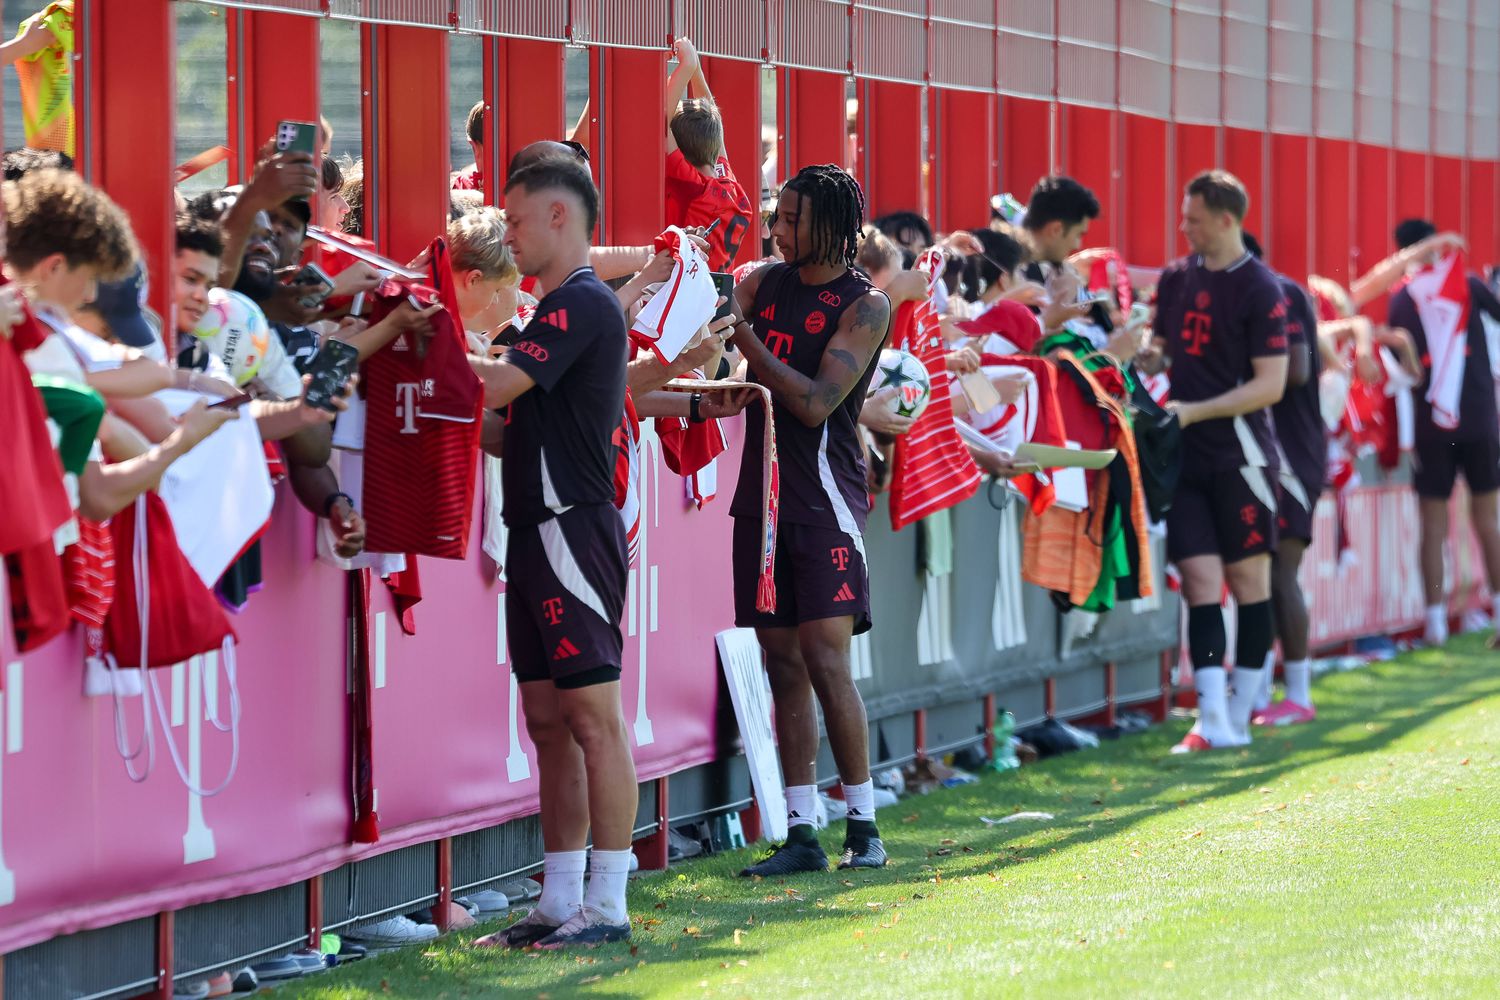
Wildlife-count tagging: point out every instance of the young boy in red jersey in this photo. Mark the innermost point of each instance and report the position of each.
(701, 188)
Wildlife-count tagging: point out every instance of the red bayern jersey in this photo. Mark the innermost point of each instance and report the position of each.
(422, 423)
(694, 199)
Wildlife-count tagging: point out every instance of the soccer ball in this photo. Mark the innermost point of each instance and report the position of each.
(908, 376)
(236, 332)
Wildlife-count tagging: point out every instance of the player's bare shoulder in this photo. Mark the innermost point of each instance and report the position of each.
(870, 314)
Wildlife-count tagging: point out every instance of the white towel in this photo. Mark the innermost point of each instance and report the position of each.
(683, 303)
(1441, 295)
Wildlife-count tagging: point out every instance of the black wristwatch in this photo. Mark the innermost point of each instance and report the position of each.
(334, 498)
(694, 414)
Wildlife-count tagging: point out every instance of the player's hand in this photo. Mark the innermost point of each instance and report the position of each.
(996, 464)
(281, 177)
(721, 327)
(686, 52)
(1028, 293)
(418, 322)
(721, 403)
(698, 355)
(348, 529)
(313, 415)
(1367, 367)
(1186, 412)
(198, 421)
(877, 414)
(360, 276)
(962, 361)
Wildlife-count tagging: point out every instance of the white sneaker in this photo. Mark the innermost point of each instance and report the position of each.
(488, 901)
(395, 931)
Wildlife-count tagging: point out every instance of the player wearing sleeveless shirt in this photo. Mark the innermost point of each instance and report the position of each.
(811, 331)
(563, 381)
(1221, 317)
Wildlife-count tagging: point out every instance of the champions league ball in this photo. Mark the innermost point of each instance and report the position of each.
(236, 332)
(908, 376)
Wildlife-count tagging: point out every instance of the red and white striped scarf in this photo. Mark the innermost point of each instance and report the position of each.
(933, 468)
(1441, 295)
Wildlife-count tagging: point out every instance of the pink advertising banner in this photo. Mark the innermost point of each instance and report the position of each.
(82, 845)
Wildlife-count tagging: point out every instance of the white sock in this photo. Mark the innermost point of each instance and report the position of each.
(1213, 705)
(1437, 623)
(1267, 682)
(1244, 690)
(1299, 682)
(860, 800)
(562, 884)
(608, 872)
(801, 802)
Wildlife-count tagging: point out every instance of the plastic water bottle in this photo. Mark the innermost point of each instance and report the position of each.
(1004, 758)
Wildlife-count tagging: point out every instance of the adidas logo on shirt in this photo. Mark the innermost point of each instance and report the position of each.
(844, 594)
(557, 318)
(565, 650)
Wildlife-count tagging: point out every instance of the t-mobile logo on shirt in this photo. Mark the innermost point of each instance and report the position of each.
(406, 402)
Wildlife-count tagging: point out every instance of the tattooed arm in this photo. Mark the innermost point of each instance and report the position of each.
(860, 334)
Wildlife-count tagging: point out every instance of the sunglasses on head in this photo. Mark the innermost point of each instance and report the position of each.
(577, 147)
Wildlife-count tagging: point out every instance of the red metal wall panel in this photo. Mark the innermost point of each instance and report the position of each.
(1197, 149)
(736, 88)
(1374, 218)
(810, 119)
(1333, 229)
(1448, 209)
(533, 94)
(1480, 218)
(1025, 136)
(1413, 198)
(409, 145)
(634, 146)
(137, 43)
(892, 113)
(1087, 155)
(1245, 157)
(968, 158)
(1149, 205)
(1290, 245)
(280, 76)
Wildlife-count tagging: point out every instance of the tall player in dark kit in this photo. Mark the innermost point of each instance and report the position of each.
(1221, 319)
(563, 383)
(813, 327)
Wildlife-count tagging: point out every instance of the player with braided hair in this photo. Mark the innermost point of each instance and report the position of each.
(810, 328)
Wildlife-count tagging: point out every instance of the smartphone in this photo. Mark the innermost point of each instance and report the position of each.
(232, 403)
(725, 284)
(317, 282)
(330, 370)
(296, 137)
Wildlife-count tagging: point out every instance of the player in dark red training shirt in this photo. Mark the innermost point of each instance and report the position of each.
(1221, 319)
(811, 330)
(701, 187)
(564, 383)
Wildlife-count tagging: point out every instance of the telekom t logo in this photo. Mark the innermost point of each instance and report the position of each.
(552, 607)
(840, 557)
(779, 343)
(406, 405)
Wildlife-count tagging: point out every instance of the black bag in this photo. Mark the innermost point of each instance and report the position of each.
(1158, 445)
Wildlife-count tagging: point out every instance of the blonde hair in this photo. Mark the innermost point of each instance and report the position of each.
(476, 242)
(877, 252)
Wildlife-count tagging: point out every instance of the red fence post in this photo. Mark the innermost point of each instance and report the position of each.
(135, 46)
(989, 726)
(651, 849)
(409, 141)
(630, 158)
(165, 932)
(441, 915)
(315, 912)
(533, 94)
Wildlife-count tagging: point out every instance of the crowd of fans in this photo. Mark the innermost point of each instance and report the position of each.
(1219, 397)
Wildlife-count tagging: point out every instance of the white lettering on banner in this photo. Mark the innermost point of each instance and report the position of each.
(1008, 618)
(15, 680)
(406, 405)
(198, 840)
(935, 621)
(517, 766)
(861, 660)
(379, 645)
(750, 691)
(643, 597)
(12, 698)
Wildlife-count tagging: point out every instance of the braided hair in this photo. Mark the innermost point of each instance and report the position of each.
(838, 212)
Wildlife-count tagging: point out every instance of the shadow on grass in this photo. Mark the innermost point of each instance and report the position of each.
(693, 914)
